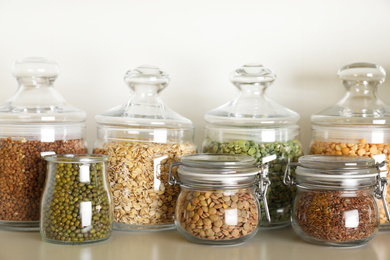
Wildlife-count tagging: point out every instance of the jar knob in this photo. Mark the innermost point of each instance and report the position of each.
(35, 67)
(147, 75)
(255, 74)
(362, 72)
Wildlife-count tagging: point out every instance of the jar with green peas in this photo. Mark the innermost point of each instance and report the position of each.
(255, 125)
(76, 204)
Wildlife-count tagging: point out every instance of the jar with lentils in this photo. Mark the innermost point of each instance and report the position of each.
(219, 199)
(34, 122)
(357, 125)
(255, 125)
(142, 138)
(336, 204)
(76, 205)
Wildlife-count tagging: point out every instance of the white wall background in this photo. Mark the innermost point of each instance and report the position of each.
(198, 43)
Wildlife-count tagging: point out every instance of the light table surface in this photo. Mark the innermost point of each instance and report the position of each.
(279, 244)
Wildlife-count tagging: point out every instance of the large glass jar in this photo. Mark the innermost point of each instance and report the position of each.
(359, 124)
(335, 204)
(219, 199)
(142, 138)
(34, 122)
(255, 125)
(76, 207)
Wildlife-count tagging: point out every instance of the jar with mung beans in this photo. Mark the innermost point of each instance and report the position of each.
(34, 122)
(336, 204)
(76, 204)
(255, 125)
(142, 138)
(219, 199)
(357, 125)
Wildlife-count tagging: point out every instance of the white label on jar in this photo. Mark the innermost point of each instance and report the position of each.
(84, 173)
(268, 135)
(351, 218)
(157, 172)
(231, 217)
(377, 138)
(160, 135)
(48, 134)
(86, 213)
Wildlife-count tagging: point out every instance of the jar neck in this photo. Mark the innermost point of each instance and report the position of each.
(35, 82)
(252, 90)
(146, 95)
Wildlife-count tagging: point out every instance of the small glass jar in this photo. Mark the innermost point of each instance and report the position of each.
(76, 204)
(218, 203)
(142, 138)
(34, 122)
(255, 125)
(357, 125)
(335, 204)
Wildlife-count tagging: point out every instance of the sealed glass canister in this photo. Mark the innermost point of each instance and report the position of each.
(34, 122)
(76, 205)
(255, 125)
(142, 138)
(336, 204)
(219, 199)
(358, 125)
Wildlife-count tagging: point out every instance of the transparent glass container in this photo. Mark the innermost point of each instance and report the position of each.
(76, 204)
(255, 125)
(34, 122)
(142, 138)
(357, 125)
(219, 199)
(336, 200)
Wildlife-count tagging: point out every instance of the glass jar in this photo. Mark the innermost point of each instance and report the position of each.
(76, 206)
(255, 125)
(336, 203)
(218, 203)
(358, 125)
(142, 138)
(34, 122)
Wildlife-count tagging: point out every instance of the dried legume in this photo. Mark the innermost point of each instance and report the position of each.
(335, 216)
(279, 196)
(138, 176)
(76, 209)
(217, 215)
(361, 148)
(22, 175)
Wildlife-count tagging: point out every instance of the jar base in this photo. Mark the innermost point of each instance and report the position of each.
(143, 228)
(71, 243)
(19, 225)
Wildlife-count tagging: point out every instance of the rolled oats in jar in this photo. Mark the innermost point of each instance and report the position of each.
(357, 125)
(335, 204)
(219, 199)
(142, 139)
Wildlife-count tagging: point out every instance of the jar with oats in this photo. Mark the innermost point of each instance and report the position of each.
(142, 138)
(357, 125)
(219, 199)
(255, 125)
(335, 204)
(34, 122)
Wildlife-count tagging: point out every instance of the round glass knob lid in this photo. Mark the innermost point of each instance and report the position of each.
(35, 67)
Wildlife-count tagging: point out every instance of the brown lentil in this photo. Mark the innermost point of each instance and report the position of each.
(217, 215)
(322, 215)
(361, 148)
(22, 175)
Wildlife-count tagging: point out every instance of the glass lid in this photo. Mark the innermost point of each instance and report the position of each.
(218, 170)
(252, 107)
(36, 100)
(145, 107)
(361, 104)
(337, 171)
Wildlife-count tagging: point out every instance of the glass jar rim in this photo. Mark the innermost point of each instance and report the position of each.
(218, 170)
(334, 171)
(76, 158)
